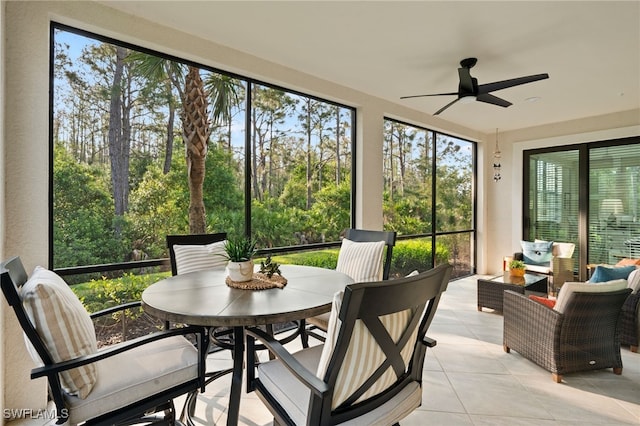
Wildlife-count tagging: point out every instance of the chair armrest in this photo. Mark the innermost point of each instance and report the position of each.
(429, 342)
(113, 309)
(305, 376)
(531, 328)
(48, 370)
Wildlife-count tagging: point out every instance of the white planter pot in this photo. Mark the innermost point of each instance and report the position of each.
(240, 271)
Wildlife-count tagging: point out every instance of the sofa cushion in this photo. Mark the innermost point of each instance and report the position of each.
(569, 288)
(64, 326)
(604, 273)
(537, 253)
(191, 258)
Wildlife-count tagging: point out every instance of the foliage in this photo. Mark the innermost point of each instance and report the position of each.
(297, 158)
(327, 258)
(105, 293)
(239, 249)
(83, 224)
(410, 255)
(269, 267)
(516, 264)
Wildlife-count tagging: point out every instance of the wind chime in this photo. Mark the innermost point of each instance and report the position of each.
(496, 161)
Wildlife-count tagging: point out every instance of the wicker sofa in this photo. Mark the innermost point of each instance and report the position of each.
(630, 317)
(558, 267)
(580, 333)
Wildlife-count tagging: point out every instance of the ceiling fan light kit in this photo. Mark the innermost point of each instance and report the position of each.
(469, 89)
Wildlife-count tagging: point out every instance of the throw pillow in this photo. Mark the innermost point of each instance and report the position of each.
(361, 261)
(634, 280)
(191, 258)
(603, 273)
(537, 253)
(550, 303)
(64, 326)
(568, 289)
(628, 262)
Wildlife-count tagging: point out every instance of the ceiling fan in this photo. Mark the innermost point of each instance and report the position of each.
(469, 89)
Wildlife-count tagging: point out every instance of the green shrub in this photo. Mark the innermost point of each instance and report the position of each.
(323, 258)
(410, 255)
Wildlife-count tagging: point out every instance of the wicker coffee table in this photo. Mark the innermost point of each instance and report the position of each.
(491, 290)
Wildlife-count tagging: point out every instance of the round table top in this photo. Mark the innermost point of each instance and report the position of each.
(203, 297)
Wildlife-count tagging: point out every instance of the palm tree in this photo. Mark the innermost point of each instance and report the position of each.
(196, 124)
(196, 129)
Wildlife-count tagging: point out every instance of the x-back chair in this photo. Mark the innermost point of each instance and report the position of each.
(369, 370)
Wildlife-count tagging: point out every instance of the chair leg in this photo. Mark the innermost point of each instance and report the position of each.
(556, 377)
(304, 337)
(633, 348)
(617, 370)
(506, 348)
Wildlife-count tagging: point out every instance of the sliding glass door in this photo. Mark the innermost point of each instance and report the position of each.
(586, 194)
(614, 203)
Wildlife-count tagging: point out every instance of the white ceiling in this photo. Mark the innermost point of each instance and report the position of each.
(389, 49)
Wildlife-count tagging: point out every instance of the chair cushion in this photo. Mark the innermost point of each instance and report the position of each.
(321, 321)
(64, 326)
(191, 258)
(361, 261)
(537, 253)
(294, 396)
(135, 374)
(603, 273)
(363, 355)
(569, 288)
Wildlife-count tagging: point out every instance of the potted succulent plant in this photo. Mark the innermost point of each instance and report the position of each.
(516, 268)
(240, 253)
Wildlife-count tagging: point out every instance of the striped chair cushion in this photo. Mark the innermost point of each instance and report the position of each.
(191, 258)
(64, 326)
(364, 355)
(361, 261)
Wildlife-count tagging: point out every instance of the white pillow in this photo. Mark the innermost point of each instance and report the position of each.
(363, 356)
(569, 288)
(64, 326)
(361, 261)
(191, 258)
(634, 281)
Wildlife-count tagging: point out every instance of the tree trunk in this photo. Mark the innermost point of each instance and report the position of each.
(168, 153)
(196, 131)
(118, 147)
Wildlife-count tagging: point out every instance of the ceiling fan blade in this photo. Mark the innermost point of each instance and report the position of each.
(499, 85)
(433, 94)
(446, 106)
(490, 99)
(466, 82)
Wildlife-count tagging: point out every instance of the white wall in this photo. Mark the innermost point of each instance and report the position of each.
(3, 305)
(24, 146)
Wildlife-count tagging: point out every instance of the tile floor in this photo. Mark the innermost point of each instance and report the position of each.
(470, 380)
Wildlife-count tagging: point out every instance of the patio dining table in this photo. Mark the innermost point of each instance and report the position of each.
(203, 298)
